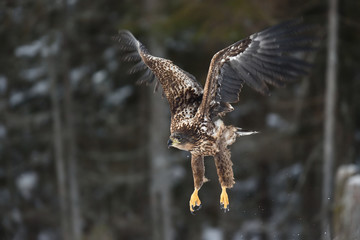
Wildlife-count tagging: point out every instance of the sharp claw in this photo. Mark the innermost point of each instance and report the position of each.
(223, 208)
(195, 203)
(224, 201)
(197, 207)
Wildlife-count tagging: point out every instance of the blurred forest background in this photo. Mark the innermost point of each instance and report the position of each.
(83, 150)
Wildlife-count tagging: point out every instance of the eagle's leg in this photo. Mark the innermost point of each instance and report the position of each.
(198, 169)
(226, 176)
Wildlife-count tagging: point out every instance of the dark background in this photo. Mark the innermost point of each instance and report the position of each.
(83, 150)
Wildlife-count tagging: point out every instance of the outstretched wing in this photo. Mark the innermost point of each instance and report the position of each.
(180, 87)
(270, 57)
(131, 51)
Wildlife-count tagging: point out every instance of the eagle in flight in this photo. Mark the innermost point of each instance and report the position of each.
(270, 57)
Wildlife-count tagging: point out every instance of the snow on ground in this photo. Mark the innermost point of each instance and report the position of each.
(274, 120)
(354, 181)
(40, 88)
(212, 233)
(46, 45)
(77, 74)
(99, 77)
(33, 74)
(26, 183)
(29, 50)
(119, 96)
(16, 98)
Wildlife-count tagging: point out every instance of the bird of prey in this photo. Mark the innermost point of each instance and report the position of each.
(270, 57)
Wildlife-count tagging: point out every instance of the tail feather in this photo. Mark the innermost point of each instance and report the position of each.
(241, 132)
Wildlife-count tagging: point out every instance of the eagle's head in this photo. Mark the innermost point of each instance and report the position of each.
(181, 141)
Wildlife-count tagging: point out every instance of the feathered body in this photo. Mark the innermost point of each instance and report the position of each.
(268, 57)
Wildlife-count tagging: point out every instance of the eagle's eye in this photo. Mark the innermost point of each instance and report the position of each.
(178, 138)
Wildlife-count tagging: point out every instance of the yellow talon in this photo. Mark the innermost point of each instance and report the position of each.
(224, 200)
(195, 203)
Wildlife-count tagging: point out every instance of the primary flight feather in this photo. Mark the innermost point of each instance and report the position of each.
(271, 57)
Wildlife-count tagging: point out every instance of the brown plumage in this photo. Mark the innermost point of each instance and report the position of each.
(270, 57)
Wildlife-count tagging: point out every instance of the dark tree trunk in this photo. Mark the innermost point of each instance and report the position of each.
(58, 150)
(70, 137)
(160, 185)
(329, 118)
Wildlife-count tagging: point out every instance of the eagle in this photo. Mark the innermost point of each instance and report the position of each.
(273, 57)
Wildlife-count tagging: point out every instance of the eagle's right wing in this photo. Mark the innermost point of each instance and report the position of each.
(271, 57)
(180, 87)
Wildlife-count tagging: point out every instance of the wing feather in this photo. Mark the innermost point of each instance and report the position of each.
(274, 56)
(147, 77)
(131, 50)
(180, 87)
(138, 67)
(264, 74)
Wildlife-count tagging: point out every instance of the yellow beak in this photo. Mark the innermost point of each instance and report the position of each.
(172, 142)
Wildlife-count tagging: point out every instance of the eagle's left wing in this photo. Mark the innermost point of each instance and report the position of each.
(180, 87)
(271, 57)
